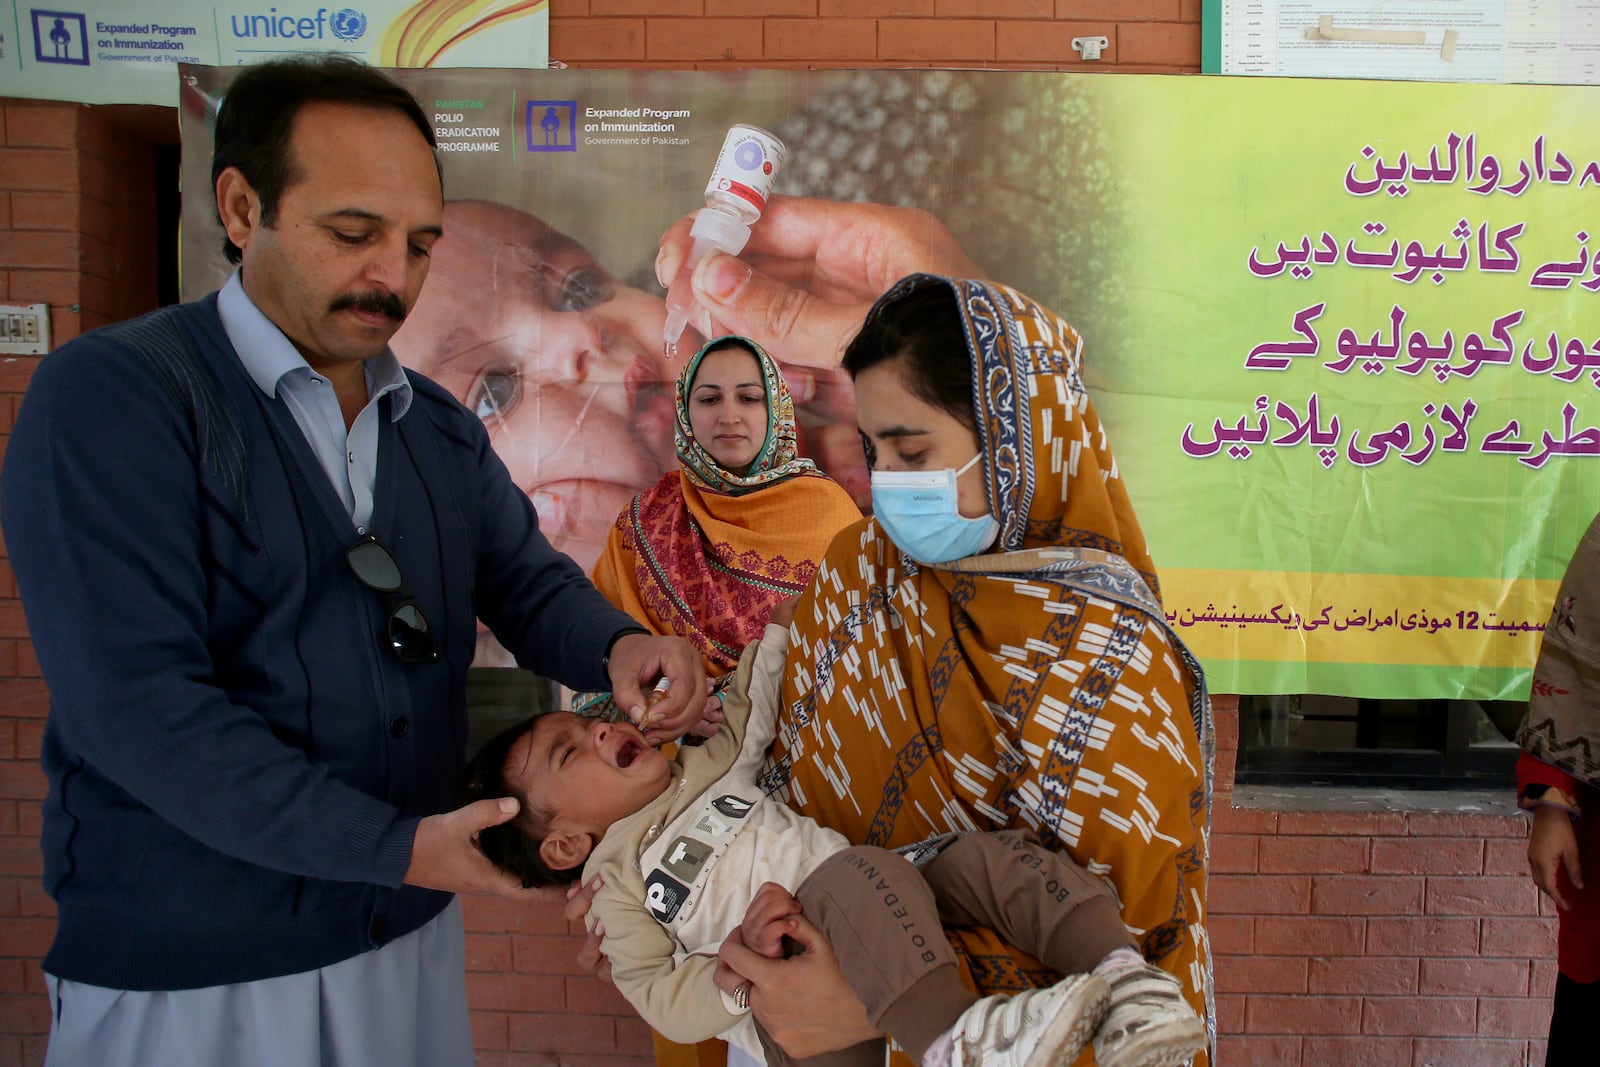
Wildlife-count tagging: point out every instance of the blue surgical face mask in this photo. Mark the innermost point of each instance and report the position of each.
(917, 509)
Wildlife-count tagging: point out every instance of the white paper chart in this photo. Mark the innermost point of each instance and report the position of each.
(1526, 41)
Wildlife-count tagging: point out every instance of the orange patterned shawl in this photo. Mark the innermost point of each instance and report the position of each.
(1038, 685)
(705, 554)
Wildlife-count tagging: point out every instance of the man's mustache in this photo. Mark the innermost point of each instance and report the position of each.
(374, 302)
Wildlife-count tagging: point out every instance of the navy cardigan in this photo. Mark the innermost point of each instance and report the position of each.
(237, 761)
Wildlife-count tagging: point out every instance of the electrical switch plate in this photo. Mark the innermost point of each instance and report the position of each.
(24, 329)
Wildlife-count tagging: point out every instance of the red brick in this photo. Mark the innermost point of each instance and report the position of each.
(20, 855)
(1313, 855)
(646, 7)
(30, 819)
(24, 1014)
(703, 38)
(546, 955)
(1231, 934)
(1477, 827)
(490, 1030)
(38, 168)
(874, 8)
(1368, 976)
(23, 696)
(1358, 1052)
(1125, 10)
(1388, 936)
(994, 9)
(1542, 982)
(23, 781)
(1294, 935)
(1342, 823)
(1505, 856)
(42, 125)
(27, 659)
(28, 938)
(813, 39)
(1445, 977)
(1505, 1017)
(759, 8)
(1305, 1015)
(633, 1036)
(12, 976)
(1434, 855)
(36, 286)
(1365, 895)
(1189, 10)
(8, 740)
(12, 622)
(30, 739)
(486, 952)
(936, 40)
(9, 821)
(612, 39)
(563, 1033)
(1226, 818)
(1051, 42)
(11, 896)
(1482, 896)
(489, 915)
(1230, 1013)
(1473, 1052)
(590, 996)
(34, 248)
(32, 901)
(44, 211)
(1235, 1048)
(1232, 854)
(1420, 1016)
(1158, 42)
(515, 992)
(1260, 974)
(1254, 894)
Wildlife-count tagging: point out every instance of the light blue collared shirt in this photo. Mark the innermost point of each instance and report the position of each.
(350, 459)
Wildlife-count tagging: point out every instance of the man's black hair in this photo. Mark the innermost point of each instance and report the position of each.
(512, 845)
(258, 112)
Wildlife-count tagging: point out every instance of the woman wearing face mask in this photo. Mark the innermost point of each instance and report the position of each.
(709, 550)
(989, 650)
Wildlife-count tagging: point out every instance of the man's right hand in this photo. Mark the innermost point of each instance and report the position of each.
(444, 854)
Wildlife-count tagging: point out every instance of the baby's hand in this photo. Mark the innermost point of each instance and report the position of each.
(769, 919)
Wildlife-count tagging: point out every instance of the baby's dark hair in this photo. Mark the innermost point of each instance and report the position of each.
(512, 845)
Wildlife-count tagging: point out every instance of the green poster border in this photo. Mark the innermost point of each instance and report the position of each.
(1210, 36)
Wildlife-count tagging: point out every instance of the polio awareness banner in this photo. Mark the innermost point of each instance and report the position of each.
(1344, 336)
(128, 51)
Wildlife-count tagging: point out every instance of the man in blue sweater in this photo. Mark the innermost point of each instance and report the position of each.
(253, 549)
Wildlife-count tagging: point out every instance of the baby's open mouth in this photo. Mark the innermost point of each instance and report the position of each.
(628, 753)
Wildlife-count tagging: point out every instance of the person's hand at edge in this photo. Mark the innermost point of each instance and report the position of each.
(802, 285)
(637, 662)
(1552, 847)
(803, 1002)
(445, 856)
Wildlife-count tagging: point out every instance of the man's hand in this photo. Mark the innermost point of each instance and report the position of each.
(638, 661)
(803, 1002)
(444, 854)
(1552, 848)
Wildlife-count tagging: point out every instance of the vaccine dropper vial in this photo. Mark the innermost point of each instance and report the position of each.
(737, 193)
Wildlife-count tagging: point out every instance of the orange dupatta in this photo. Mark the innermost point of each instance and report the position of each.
(1036, 686)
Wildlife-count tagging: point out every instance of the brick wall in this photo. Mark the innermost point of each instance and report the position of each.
(1371, 940)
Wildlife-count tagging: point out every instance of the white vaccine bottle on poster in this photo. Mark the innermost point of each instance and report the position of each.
(736, 195)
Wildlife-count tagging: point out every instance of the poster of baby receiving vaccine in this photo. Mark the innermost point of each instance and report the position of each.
(1344, 336)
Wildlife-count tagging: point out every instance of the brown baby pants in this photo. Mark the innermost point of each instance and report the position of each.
(885, 918)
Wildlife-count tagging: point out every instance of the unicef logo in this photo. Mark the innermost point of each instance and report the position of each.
(348, 24)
